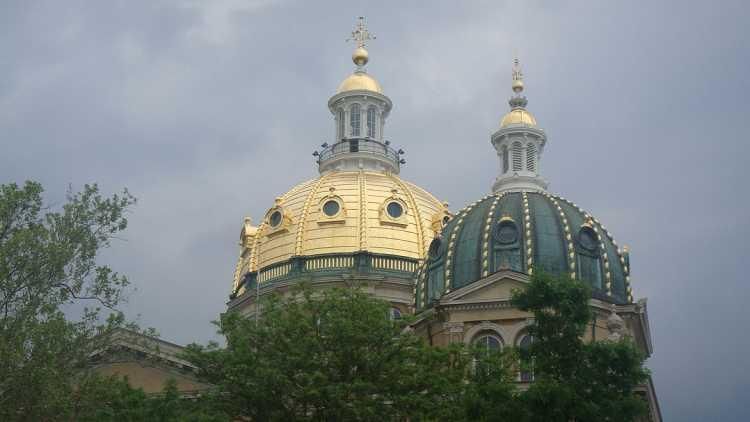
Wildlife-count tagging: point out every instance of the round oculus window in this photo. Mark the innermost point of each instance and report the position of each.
(331, 208)
(395, 210)
(275, 218)
(506, 232)
(587, 239)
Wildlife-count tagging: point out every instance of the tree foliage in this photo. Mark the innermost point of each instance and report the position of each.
(111, 399)
(332, 355)
(335, 355)
(48, 263)
(574, 379)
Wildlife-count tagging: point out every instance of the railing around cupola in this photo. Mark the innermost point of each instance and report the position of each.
(359, 147)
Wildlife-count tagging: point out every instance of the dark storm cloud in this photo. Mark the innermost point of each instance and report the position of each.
(208, 110)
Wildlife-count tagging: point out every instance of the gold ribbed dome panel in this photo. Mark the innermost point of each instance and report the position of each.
(363, 196)
(518, 116)
(359, 81)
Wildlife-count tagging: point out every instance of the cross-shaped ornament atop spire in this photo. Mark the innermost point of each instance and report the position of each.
(360, 34)
(517, 76)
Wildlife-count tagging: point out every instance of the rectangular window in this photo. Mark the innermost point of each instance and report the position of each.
(355, 120)
(371, 122)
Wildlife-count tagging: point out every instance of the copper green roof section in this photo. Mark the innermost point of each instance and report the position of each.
(549, 245)
(564, 239)
(468, 249)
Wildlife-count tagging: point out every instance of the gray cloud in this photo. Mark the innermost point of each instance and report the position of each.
(208, 110)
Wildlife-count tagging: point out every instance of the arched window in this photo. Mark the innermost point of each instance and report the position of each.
(355, 120)
(527, 374)
(531, 157)
(342, 125)
(488, 342)
(517, 160)
(371, 121)
(395, 314)
(506, 161)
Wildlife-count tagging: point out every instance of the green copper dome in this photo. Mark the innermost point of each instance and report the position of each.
(524, 232)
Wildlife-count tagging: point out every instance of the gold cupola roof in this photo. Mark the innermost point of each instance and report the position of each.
(360, 80)
(518, 116)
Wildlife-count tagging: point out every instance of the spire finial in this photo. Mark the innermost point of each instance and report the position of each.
(361, 35)
(517, 77)
(517, 100)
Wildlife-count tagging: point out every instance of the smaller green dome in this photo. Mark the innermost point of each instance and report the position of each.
(524, 232)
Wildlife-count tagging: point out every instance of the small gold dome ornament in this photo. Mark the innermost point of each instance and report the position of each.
(518, 117)
(359, 81)
(360, 57)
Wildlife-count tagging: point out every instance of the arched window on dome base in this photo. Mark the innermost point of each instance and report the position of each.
(488, 342)
(526, 373)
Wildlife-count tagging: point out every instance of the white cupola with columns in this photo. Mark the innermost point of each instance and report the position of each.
(359, 109)
(519, 144)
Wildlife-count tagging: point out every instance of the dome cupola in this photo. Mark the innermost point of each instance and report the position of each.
(521, 228)
(519, 143)
(358, 220)
(360, 109)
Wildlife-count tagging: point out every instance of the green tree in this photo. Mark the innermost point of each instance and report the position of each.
(111, 399)
(575, 380)
(332, 356)
(47, 264)
(490, 393)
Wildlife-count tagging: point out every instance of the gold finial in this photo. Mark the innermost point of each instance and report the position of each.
(361, 35)
(517, 77)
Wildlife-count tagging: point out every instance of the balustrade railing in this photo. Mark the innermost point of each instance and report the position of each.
(363, 146)
(356, 263)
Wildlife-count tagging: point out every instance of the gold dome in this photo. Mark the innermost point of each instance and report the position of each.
(518, 116)
(359, 81)
(361, 223)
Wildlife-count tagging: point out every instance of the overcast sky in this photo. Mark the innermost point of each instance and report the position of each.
(208, 110)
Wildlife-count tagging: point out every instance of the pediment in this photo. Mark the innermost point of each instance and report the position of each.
(493, 288)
